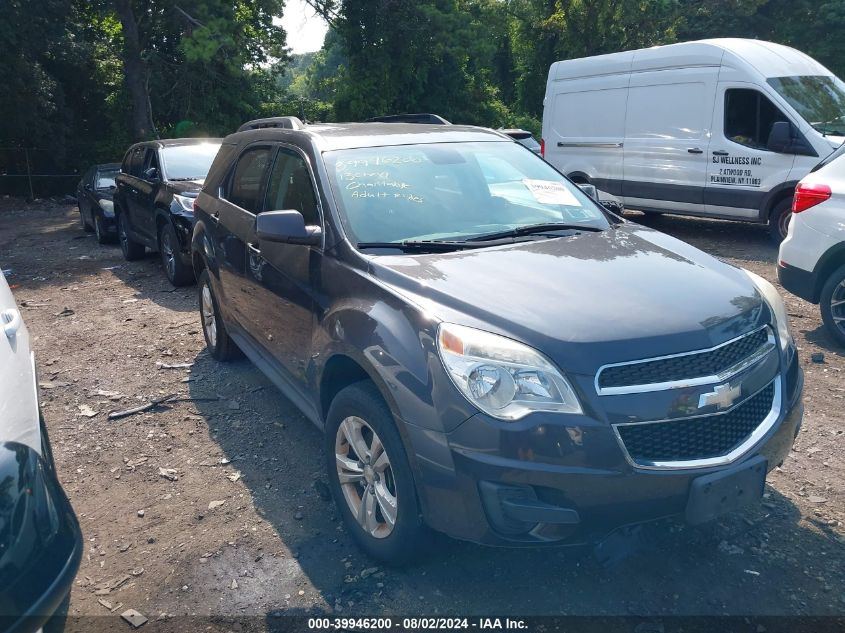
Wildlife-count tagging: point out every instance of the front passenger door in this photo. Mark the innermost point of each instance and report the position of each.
(283, 274)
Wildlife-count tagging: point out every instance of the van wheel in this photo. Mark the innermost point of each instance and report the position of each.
(832, 303)
(132, 250)
(779, 220)
(370, 477)
(178, 272)
(217, 340)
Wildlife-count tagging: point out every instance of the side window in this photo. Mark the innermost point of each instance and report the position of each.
(290, 187)
(749, 116)
(151, 161)
(247, 179)
(136, 162)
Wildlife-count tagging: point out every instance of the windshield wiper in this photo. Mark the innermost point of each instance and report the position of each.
(533, 229)
(440, 246)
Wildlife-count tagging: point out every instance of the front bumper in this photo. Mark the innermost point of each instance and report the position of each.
(561, 479)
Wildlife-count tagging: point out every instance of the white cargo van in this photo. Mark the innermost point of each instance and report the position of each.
(722, 128)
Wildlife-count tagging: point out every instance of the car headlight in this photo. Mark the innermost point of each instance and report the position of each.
(778, 307)
(186, 202)
(107, 206)
(503, 378)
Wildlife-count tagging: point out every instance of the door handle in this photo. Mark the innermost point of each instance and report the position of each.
(695, 150)
(254, 248)
(11, 322)
(720, 152)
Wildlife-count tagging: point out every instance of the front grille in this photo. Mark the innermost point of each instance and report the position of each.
(696, 438)
(685, 367)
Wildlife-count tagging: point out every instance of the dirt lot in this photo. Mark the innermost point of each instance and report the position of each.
(243, 524)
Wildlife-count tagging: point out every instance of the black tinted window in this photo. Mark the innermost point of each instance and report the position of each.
(289, 187)
(136, 161)
(749, 116)
(247, 179)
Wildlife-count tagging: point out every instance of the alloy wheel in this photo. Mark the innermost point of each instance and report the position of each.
(366, 477)
(837, 306)
(121, 233)
(167, 254)
(209, 318)
(98, 230)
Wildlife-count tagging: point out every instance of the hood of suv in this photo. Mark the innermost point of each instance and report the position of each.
(185, 186)
(586, 300)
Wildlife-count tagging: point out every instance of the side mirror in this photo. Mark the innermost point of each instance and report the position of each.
(151, 173)
(780, 137)
(286, 227)
(590, 190)
(88, 187)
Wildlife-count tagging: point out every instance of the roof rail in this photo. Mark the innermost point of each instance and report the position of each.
(435, 119)
(284, 122)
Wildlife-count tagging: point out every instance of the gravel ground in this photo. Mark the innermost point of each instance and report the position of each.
(242, 524)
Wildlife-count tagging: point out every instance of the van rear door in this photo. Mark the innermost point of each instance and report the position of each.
(741, 170)
(666, 138)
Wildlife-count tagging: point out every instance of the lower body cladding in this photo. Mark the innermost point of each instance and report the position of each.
(550, 479)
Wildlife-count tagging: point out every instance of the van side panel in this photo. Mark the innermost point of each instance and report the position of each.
(584, 119)
(666, 137)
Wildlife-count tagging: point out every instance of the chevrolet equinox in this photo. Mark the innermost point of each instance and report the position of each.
(489, 352)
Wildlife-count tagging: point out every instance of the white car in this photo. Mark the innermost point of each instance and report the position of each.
(811, 262)
(40, 540)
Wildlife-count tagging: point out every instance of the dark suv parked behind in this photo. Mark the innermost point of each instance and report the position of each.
(156, 189)
(489, 352)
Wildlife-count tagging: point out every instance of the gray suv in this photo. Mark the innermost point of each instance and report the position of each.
(490, 353)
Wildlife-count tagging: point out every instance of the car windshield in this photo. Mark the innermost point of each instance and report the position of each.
(452, 191)
(820, 100)
(105, 178)
(188, 162)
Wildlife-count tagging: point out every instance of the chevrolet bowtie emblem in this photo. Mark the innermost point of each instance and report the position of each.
(722, 396)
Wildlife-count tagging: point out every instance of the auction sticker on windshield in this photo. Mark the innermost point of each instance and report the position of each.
(550, 192)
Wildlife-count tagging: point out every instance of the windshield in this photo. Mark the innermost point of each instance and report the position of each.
(820, 100)
(105, 178)
(188, 162)
(451, 191)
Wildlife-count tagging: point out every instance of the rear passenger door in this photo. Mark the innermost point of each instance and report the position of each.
(241, 197)
(741, 169)
(667, 130)
(281, 276)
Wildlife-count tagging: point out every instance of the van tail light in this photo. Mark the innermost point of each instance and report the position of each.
(542, 148)
(807, 196)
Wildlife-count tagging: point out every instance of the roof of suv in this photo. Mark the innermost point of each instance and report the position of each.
(332, 136)
(177, 142)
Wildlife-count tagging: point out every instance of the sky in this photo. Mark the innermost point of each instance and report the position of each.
(305, 29)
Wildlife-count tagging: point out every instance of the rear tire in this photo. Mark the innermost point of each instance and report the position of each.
(779, 220)
(132, 250)
(378, 499)
(217, 340)
(832, 304)
(178, 272)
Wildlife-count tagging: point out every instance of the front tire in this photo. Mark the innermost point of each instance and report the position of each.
(132, 250)
(370, 477)
(100, 231)
(779, 220)
(178, 272)
(217, 340)
(832, 303)
(82, 221)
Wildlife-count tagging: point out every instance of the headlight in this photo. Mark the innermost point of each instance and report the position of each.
(186, 202)
(773, 298)
(503, 378)
(107, 206)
